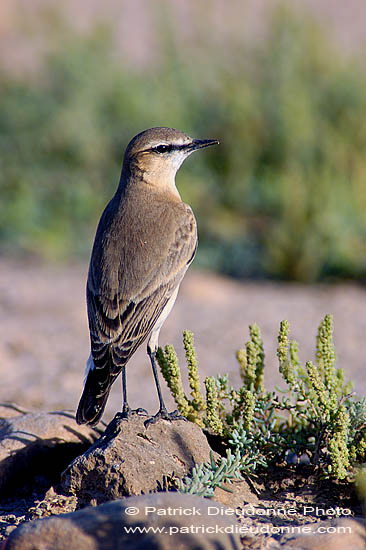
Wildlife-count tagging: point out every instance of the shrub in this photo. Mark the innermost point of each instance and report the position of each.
(283, 194)
(316, 419)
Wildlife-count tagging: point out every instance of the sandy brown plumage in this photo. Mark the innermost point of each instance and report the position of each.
(145, 241)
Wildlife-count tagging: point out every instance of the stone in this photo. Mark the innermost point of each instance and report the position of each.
(34, 444)
(130, 459)
(339, 534)
(239, 494)
(185, 522)
(9, 410)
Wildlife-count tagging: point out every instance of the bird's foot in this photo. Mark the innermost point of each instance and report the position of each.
(127, 413)
(163, 413)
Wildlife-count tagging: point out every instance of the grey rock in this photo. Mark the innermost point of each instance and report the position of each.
(240, 493)
(130, 459)
(291, 458)
(339, 534)
(9, 410)
(304, 459)
(186, 522)
(38, 444)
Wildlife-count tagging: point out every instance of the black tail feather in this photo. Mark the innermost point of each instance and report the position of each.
(91, 406)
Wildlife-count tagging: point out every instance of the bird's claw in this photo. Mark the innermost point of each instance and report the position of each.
(127, 413)
(163, 414)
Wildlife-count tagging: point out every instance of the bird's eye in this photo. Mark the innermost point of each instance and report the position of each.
(163, 148)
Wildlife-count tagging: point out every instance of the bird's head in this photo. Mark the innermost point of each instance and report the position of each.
(157, 154)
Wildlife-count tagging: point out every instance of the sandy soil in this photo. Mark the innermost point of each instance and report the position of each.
(44, 339)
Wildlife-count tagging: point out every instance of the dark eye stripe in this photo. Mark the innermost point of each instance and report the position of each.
(163, 148)
(166, 148)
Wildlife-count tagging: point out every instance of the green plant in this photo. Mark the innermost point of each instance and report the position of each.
(204, 478)
(316, 415)
(283, 196)
(168, 362)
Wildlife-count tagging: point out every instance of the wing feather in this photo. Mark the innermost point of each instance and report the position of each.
(118, 326)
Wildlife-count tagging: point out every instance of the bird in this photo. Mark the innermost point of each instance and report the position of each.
(145, 241)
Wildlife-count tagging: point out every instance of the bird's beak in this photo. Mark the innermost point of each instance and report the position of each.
(200, 143)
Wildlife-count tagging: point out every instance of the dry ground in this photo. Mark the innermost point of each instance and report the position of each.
(44, 335)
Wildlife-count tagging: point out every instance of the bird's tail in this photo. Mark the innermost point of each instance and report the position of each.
(93, 400)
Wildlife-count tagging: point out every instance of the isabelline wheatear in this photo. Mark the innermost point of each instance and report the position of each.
(145, 241)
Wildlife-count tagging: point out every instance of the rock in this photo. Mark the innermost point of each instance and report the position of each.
(34, 444)
(240, 494)
(130, 459)
(9, 410)
(186, 522)
(340, 534)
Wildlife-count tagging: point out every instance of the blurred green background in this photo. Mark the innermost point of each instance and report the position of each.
(283, 196)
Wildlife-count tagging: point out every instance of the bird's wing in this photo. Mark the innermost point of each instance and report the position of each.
(119, 325)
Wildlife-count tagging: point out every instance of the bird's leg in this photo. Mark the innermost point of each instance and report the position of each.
(162, 412)
(126, 407)
(126, 411)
